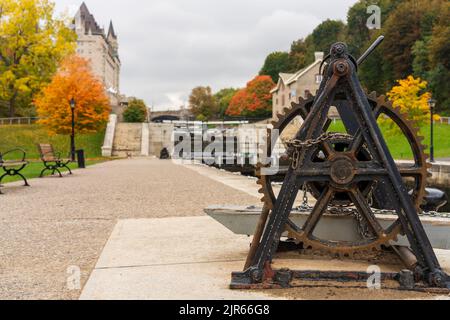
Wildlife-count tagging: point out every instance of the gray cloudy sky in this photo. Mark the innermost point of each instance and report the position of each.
(167, 47)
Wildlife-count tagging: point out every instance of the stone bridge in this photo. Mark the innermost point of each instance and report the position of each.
(174, 115)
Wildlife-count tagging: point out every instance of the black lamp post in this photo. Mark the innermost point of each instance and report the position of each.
(432, 105)
(72, 136)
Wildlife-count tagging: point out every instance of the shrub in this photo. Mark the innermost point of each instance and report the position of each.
(136, 112)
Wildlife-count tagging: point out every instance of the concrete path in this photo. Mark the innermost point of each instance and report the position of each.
(192, 258)
(59, 225)
(173, 258)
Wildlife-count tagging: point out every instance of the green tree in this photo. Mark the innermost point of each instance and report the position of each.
(223, 98)
(299, 54)
(136, 112)
(358, 35)
(202, 104)
(32, 43)
(439, 56)
(276, 63)
(321, 39)
(326, 34)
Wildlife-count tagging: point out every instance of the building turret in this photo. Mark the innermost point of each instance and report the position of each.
(112, 39)
(100, 49)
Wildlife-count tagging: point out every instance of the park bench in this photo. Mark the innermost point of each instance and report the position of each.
(13, 167)
(52, 160)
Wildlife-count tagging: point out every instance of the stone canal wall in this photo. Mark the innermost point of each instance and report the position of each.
(441, 175)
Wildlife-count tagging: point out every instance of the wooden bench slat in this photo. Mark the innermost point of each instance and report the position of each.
(12, 163)
(47, 152)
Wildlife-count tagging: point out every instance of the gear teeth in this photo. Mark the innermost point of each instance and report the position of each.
(381, 100)
(373, 95)
(368, 249)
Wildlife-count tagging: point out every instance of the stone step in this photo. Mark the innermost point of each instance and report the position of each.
(127, 140)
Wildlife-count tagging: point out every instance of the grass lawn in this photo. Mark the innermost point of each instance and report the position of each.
(33, 170)
(399, 146)
(28, 136)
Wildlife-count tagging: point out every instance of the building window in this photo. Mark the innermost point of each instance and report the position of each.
(293, 93)
(276, 101)
(319, 78)
(307, 93)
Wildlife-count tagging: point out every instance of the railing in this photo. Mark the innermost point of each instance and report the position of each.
(444, 120)
(18, 121)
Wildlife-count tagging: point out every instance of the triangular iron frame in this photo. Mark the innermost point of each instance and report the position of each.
(341, 78)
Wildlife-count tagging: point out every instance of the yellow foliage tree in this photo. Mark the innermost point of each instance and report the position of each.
(411, 97)
(73, 80)
(32, 44)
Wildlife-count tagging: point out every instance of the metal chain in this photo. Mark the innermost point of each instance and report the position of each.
(363, 227)
(298, 145)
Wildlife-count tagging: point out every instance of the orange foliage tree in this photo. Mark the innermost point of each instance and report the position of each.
(255, 100)
(73, 80)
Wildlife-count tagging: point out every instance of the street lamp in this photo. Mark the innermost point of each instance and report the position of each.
(72, 136)
(432, 105)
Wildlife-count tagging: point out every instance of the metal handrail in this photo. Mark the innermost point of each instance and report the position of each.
(18, 120)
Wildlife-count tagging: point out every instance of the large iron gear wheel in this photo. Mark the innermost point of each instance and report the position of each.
(419, 172)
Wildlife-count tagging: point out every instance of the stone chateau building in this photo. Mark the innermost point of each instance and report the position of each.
(101, 49)
(291, 86)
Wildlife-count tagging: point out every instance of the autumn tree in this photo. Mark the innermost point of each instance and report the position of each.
(202, 104)
(253, 101)
(32, 43)
(411, 96)
(73, 80)
(136, 112)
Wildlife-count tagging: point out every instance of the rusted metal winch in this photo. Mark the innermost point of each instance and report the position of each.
(352, 170)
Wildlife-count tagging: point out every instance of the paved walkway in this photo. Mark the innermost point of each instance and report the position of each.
(59, 223)
(162, 246)
(169, 259)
